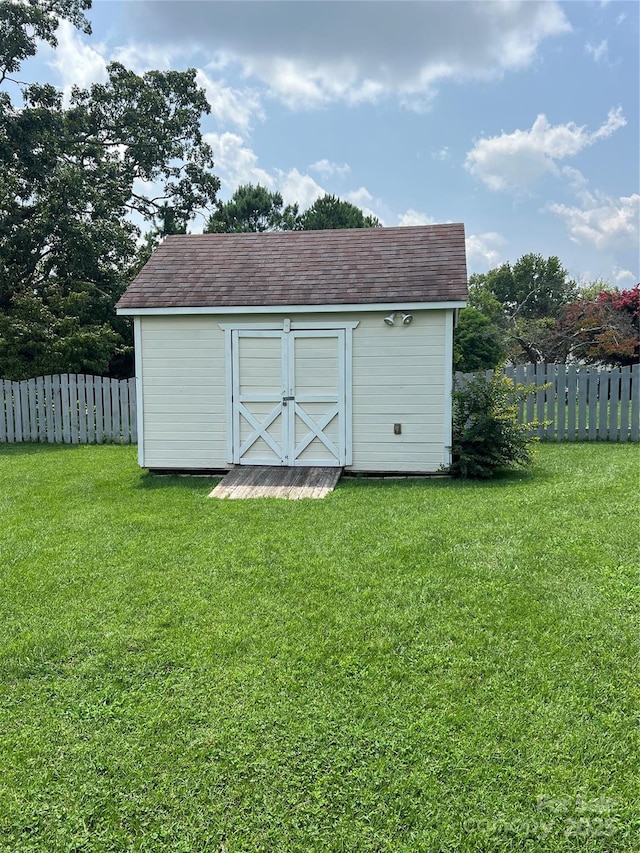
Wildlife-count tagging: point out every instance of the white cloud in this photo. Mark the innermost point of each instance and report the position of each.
(483, 249)
(296, 187)
(441, 154)
(231, 106)
(599, 52)
(622, 277)
(515, 161)
(76, 62)
(363, 199)
(234, 163)
(309, 54)
(143, 57)
(414, 217)
(605, 222)
(328, 169)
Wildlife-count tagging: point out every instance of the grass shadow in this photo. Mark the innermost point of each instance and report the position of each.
(500, 480)
(149, 481)
(29, 448)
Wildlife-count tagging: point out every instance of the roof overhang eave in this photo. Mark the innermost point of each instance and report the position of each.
(293, 309)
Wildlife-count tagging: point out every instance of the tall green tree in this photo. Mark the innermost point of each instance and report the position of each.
(71, 177)
(523, 301)
(255, 208)
(251, 209)
(332, 212)
(477, 342)
(534, 287)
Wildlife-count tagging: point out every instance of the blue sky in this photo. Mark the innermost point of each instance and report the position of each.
(519, 119)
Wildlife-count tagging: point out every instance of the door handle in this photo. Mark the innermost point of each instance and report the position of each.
(288, 398)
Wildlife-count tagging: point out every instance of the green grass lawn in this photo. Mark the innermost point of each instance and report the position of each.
(404, 666)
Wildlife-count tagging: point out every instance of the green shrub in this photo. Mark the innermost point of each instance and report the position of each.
(487, 436)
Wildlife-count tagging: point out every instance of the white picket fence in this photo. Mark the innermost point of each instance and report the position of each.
(68, 409)
(580, 403)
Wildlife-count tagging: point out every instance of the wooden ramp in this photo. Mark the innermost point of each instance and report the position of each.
(265, 481)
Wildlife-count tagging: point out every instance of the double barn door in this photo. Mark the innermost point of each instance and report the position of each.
(288, 397)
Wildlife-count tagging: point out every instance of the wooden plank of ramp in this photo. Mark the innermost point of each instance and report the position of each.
(265, 481)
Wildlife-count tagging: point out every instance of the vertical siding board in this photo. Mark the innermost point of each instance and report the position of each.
(25, 427)
(614, 403)
(561, 408)
(109, 427)
(123, 397)
(97, 390)
(124, 412)
(551, 396)
(115, 410)
(592, 398)
(41, 411)
(3, 416)
(635, 402)
(7, 406)
(572, 391)
(106, 408)
(14, 416)
(91, 409)
(73, 407)
(65, 408)
(133, 421)
(540, 395)
(625, 388)
(24, 410)
(17, 412)
(583, 380)
(33, 402)
(138, 357)
(48, 403)
(530, 377)
(519, 379)
(9, 402)
(43, 414)
(19, 409)
(33, 409)
(603, 395)
(56, 405)
(56, 388)
(82, 409)
(348, 404)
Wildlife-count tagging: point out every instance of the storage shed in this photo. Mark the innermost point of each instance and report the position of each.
(298, 349)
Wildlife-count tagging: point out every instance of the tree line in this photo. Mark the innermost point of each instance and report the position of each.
(533, 311)
(76, 176)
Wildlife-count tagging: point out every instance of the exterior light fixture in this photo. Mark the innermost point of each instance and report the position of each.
(406, 319)
(390, 319)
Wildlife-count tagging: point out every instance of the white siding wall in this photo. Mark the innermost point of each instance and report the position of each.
(183, 377)
(399, 376)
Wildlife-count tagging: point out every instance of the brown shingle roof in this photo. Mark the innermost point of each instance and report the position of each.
(356, 266)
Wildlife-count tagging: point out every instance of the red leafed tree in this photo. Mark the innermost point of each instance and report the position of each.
(604, 330)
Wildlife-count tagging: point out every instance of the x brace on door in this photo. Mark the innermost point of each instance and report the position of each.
(289, 395)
